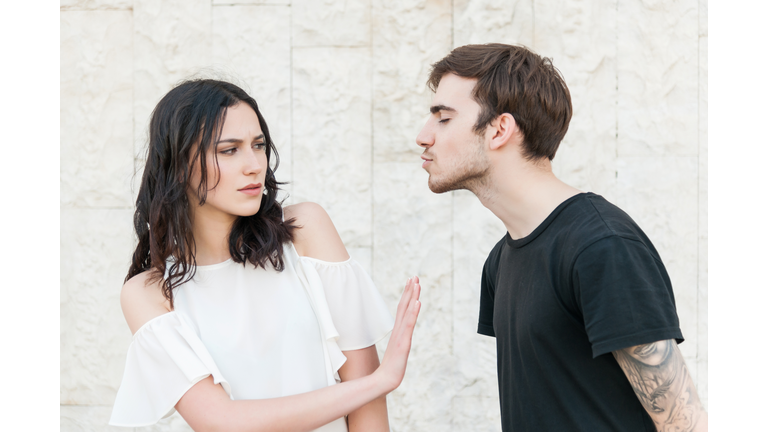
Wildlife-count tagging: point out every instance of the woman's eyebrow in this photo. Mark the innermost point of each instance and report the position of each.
(237, 140)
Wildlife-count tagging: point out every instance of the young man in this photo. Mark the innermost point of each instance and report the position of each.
(575, 294)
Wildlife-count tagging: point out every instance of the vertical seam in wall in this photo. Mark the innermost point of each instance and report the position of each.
(133, 105)
(698, 191)
(453, 17)
(373, 149)
(698, 173)
(616, 113)
(211, 57)
(453, 263)
(453, 274)
(290, 95)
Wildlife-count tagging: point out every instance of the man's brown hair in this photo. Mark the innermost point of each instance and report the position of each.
(515, 80)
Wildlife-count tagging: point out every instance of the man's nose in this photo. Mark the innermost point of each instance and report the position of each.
(425, 138)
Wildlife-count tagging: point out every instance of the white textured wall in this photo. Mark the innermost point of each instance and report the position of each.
(342, 87)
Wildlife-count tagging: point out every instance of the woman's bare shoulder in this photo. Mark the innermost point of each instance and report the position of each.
(305, 212)
(316, 236)
(142, 299)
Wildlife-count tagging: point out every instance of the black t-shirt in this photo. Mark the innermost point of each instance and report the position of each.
(585, 282)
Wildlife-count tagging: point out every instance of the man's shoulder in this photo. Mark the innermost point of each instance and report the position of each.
(602, 223)
(617, 221)
(594, 218)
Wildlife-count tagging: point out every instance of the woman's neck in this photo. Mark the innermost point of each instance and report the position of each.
(211, 237)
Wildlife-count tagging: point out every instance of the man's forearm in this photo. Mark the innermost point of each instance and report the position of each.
(660, 379)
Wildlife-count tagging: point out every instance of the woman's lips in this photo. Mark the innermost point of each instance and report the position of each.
(251, 189)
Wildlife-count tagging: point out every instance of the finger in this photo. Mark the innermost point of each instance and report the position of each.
(402, 304)
(414, 306)
(408, 326)
(415, 294)
(416, 289)
(404, 299)
(400, 330)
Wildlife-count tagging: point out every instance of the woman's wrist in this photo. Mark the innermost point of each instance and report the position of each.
(382, 382)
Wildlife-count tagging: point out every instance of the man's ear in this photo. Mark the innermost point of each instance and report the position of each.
(505, 131)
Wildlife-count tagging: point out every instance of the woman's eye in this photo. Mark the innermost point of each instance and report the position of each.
(260, 145)
(444, 120)
(229, 151)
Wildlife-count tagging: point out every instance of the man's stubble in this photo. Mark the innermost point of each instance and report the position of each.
(470, 174)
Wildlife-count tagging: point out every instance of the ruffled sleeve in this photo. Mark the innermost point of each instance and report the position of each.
(165, 359)
(357, 309)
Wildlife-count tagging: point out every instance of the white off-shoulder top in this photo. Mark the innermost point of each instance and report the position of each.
(259, 333)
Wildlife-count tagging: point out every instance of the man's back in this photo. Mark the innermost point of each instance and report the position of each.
(584, 283)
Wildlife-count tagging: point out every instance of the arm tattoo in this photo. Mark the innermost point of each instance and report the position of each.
(659, 377)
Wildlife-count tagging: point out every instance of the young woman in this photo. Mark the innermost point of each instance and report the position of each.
(246, 316)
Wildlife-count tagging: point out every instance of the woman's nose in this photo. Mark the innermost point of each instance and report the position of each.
(253, 163)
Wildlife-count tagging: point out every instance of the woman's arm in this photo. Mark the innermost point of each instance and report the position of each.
(371, 417)
(206, 407)
(318, 238)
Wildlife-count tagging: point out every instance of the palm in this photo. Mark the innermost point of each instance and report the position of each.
(396, 356)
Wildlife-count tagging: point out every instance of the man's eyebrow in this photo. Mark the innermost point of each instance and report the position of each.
(238, 141)
(437, 108)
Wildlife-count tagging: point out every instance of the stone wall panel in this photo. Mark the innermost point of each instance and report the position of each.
(332, 140)
(263, 69)
(580, 38)
(96, 247)
(172, 41)
(476, 414)
(485, 21)
(251, 2)
(96, 115)
(412, 236)
(331, 23)
(703, 299)
(408, 36)
(69, 5)
(84, 418)
(475, 232)
(657, 78)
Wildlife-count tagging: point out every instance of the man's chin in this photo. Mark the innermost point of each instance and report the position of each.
(471, 183)
(438, 188)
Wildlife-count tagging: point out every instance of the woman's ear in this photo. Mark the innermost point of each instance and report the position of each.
(505, 132)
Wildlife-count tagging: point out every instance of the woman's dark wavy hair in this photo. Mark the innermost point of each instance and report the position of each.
(184, 126)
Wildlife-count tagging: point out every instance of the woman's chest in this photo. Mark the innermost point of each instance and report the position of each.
(250, 312)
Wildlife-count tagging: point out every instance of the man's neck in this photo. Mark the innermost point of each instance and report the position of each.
(523, 196)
